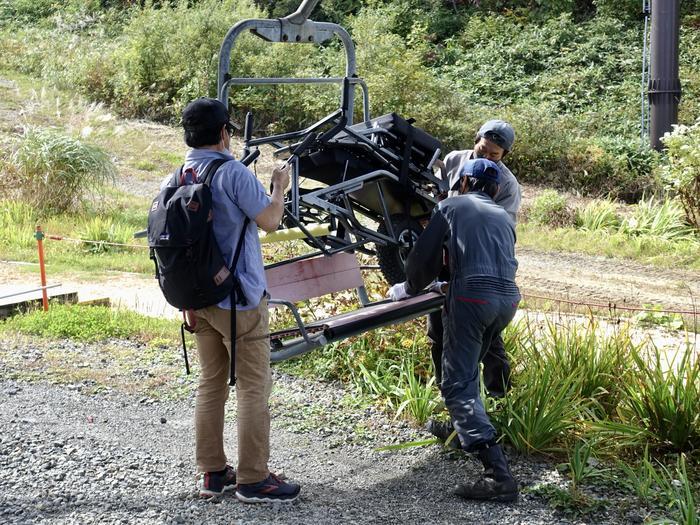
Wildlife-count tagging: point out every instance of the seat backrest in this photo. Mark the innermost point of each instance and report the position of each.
(307, 278)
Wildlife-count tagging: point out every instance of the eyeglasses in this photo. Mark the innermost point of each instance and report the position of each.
(229, 128)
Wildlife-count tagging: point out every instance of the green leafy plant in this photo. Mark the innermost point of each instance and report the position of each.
(678, 492)
(550, 209)
(671, 489)
(654, 315)
(419, 398)
(567, 500)
(640, 478)
(582, 465)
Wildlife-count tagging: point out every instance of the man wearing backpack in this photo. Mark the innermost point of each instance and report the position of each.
(238, 201)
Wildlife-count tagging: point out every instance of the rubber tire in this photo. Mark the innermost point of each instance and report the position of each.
(392, 259)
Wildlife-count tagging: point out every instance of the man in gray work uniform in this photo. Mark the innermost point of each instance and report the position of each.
(493, 141)
(481, 300)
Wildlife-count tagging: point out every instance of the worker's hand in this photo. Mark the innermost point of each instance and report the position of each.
(438, 287)
(398, 292)
(280, 177)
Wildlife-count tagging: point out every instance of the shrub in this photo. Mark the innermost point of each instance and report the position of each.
(27, 11)
(681, 171)
(614, 167)
(550, 209)
(55, 172)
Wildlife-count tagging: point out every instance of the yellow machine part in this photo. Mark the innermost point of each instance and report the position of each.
(317, 230)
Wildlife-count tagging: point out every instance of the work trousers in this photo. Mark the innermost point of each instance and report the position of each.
(495, 360)
(253, 386)
(470, 323)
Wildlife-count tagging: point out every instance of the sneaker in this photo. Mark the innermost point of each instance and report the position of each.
(268, 490)
(214, 484)
(443, 430)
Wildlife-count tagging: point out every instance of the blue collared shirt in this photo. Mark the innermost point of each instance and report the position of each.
(236, 194)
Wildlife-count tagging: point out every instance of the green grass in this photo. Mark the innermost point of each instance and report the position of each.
(645, 248)
(91, 323)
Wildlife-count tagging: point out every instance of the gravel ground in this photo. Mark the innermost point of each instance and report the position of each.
(71, 457)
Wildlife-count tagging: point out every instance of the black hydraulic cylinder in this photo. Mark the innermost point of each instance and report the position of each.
(664, 83)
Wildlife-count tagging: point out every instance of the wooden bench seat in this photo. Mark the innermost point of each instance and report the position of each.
(300, 280)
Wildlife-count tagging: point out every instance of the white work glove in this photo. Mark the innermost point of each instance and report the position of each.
(437, 286)
(398, 292)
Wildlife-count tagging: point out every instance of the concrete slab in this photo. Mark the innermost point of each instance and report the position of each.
(16, 297)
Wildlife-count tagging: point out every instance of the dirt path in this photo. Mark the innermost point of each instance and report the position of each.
(600, 280)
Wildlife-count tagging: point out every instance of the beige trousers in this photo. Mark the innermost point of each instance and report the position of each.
(253, 385)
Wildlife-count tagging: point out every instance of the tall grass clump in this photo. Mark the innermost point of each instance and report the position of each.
(103, 234)
(598, 360)
(662, 219)
(598, 215)
(660, 399)
(55, 172)
(565, 376)
(539, 411)
(17, 221)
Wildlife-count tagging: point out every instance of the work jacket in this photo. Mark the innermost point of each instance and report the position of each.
(480, 239)
(509, 192)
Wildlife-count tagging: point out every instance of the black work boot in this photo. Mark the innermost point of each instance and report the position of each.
(443, 430)
(497, 483)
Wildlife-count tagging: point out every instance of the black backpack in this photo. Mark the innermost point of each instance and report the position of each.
(190, 269)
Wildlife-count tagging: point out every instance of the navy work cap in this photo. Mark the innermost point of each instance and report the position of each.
(481, 169)
(204, 113)
(499, 132)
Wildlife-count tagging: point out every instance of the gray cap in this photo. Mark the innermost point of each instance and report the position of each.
(499, 132)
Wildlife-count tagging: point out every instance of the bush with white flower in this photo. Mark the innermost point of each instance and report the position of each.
(681, 169)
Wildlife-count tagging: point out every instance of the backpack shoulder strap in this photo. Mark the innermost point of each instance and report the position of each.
(177, 175)
(211, 169)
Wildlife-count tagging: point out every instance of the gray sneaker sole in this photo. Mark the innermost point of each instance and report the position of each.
(263, 499)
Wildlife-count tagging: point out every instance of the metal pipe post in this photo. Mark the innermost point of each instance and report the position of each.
(664, 83)
(39, 236)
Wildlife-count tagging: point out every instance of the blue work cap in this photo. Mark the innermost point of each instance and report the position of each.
(481, 169)
(499, 132)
